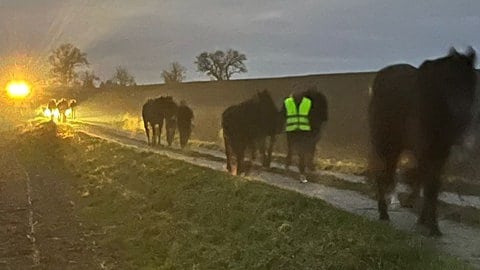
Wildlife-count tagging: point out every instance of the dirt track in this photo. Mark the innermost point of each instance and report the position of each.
(37, 228)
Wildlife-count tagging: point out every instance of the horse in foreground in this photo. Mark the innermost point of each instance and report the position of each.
(425, 111)
(245, 124)
(154, 113)
(303, 126)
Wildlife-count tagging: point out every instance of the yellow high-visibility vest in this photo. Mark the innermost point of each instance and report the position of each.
(297, 119)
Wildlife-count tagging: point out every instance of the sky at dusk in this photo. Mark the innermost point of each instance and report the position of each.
(279, 38)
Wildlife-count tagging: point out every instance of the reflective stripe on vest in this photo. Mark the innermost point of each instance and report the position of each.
(297, 120)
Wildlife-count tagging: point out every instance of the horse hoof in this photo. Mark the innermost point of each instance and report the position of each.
(303, 179)
(406, 204)
(435, 232)
(384, 216)
(422, 229)
(428, 231)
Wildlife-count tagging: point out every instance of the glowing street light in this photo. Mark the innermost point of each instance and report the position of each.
(18, 89)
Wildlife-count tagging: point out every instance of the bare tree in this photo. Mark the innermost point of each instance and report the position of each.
(64, 60)
(175, 73)
(122, 77)
(221, 65)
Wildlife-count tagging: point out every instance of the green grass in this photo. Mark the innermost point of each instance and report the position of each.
(150, 212)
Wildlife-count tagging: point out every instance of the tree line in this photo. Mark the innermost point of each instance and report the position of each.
(70, 67)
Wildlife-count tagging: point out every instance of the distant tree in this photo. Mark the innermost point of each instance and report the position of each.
(175, 73)
(122, 77)
(64, 60)
(221, 65)
(87, 79)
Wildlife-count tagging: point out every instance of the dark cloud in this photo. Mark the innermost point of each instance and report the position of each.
(278, 37)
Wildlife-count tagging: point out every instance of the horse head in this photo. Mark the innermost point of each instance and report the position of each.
(268, 111)
(72, 103)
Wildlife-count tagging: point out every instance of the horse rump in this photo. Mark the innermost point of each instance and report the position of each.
(423, 111)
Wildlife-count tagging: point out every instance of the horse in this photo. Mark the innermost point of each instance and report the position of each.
(170, 116)
(184, 123)
(72, 104)
(246, 122)
(423, 112)
(52, 106)
(62, 106)
(155, 112)
(304, 142)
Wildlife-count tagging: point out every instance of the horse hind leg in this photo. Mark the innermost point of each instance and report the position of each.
(240, 154)
(182, 133)
(155, 135)
(432, 183)
(261, 149)
(414, 181)
(384, 178)
(170, 135)
(147, 131)
(160, 130)
(228, 153)
(267, 159)
(253, 151)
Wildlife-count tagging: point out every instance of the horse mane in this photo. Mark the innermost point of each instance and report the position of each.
(454, 56)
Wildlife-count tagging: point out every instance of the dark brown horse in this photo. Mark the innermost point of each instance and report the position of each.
(424, 111)
(62, 106)
(184, 123)
(155, 112)
(244, 124)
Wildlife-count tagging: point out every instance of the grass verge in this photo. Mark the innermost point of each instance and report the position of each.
(151, 212)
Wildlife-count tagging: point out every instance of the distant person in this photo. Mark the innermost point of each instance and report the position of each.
(184, 123)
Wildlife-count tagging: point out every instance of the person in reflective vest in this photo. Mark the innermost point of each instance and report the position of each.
(297, 119)
(304, 115)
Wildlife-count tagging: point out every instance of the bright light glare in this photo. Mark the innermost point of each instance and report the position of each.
(48, 113)
(68, 112)
(18, 89)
